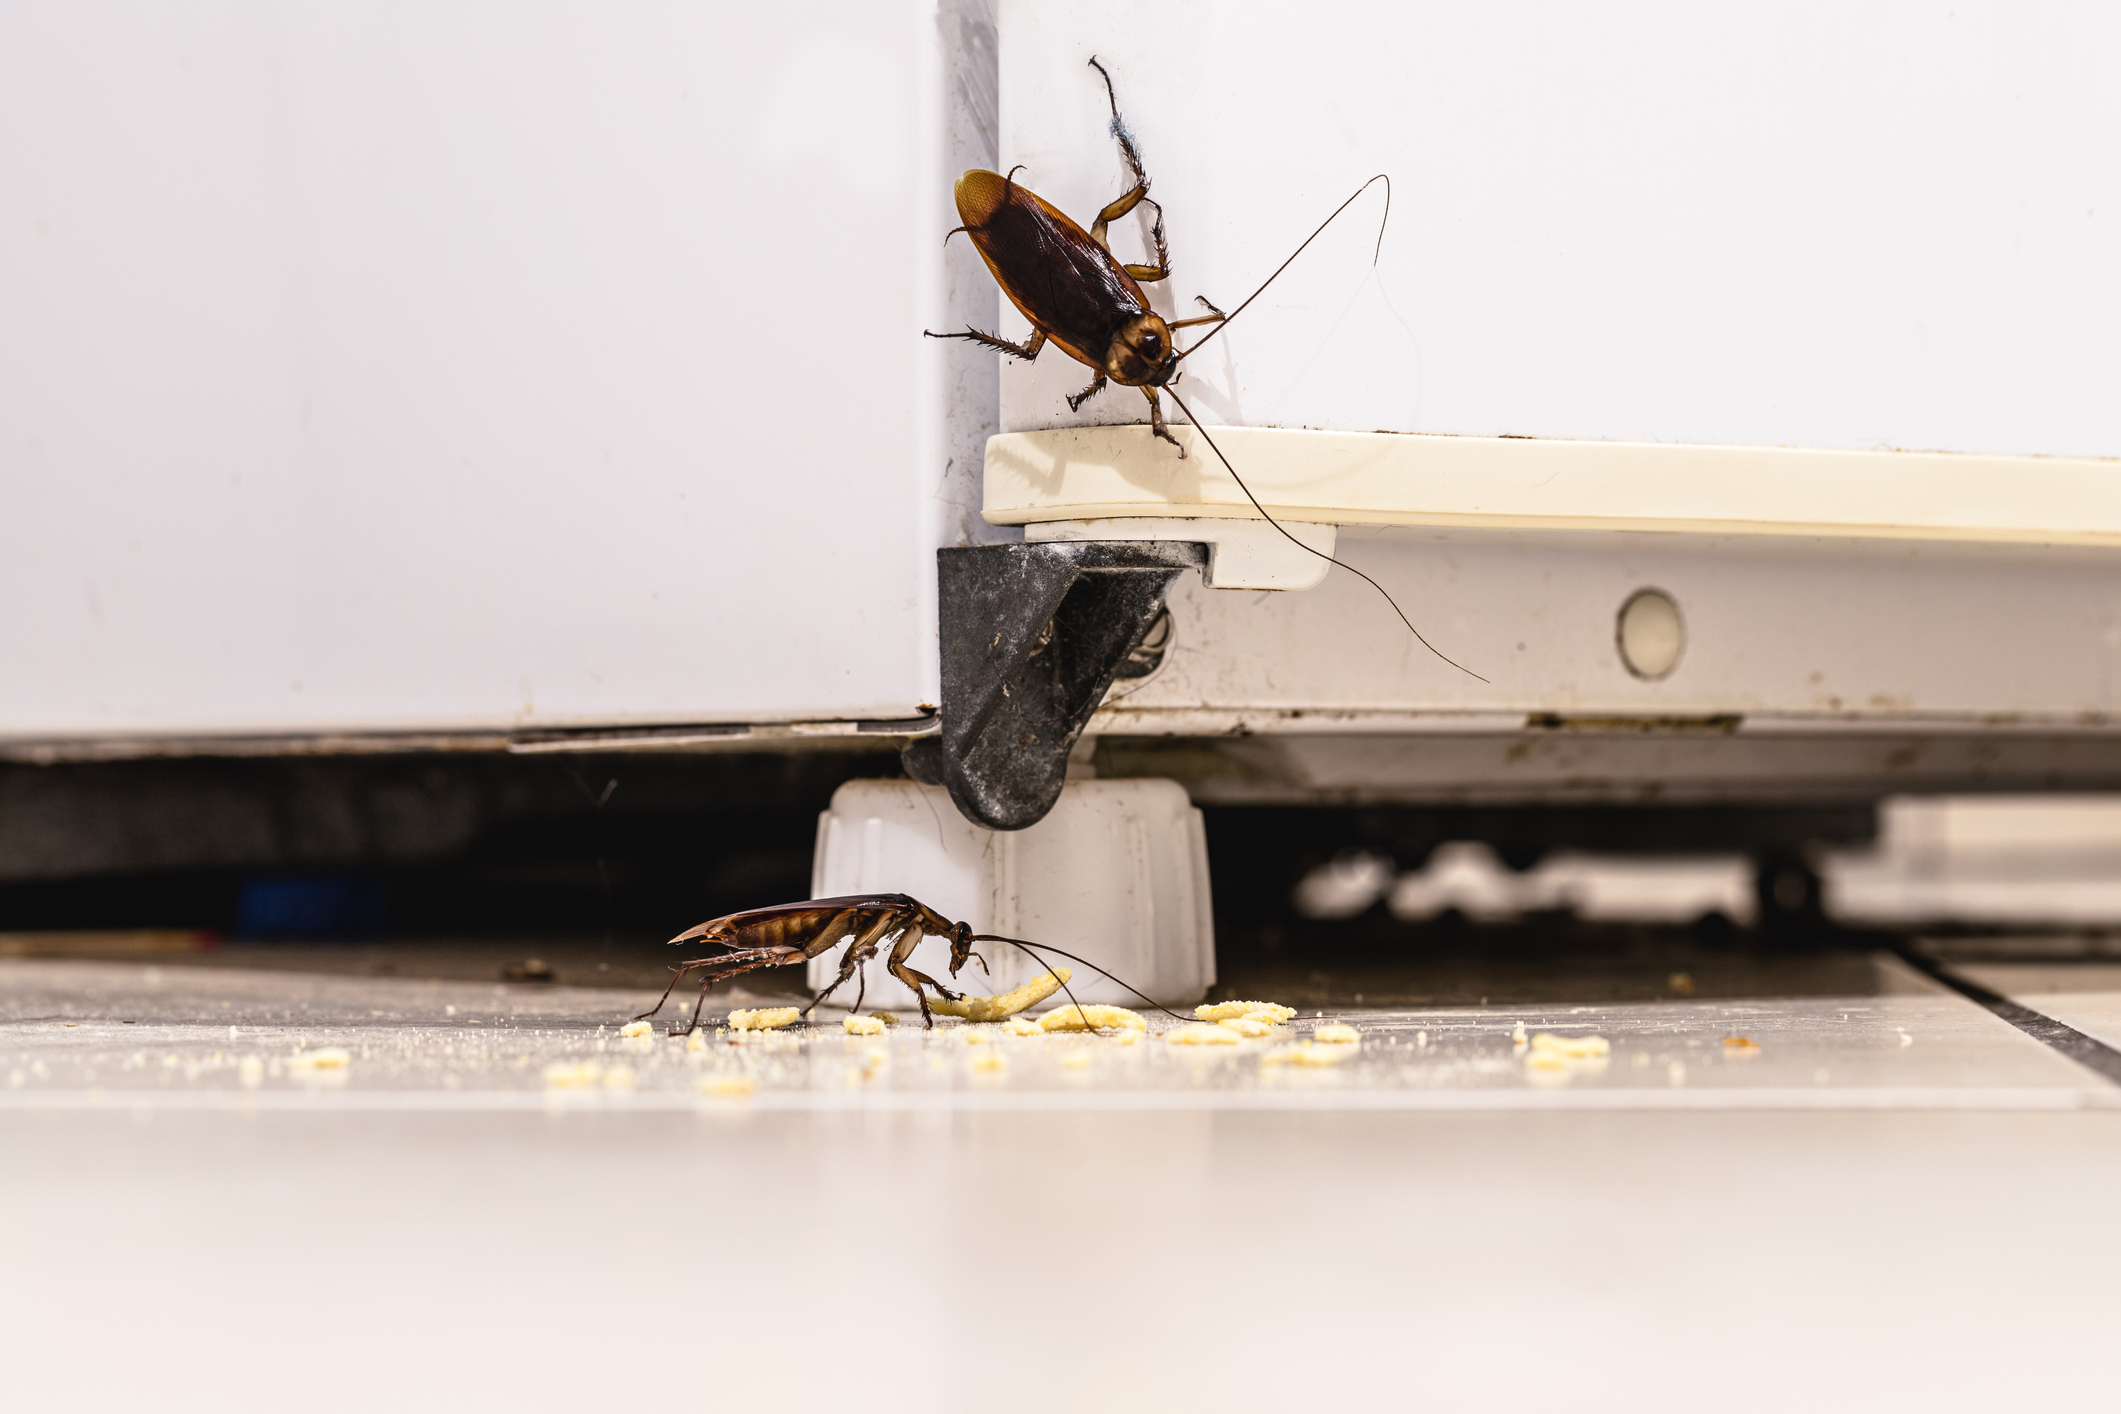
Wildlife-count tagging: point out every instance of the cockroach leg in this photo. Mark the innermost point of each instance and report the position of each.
(1156, 422)
(1026, 350)
(676, 973)
(1149, 273)
(858, 952)
(918, 983)
(1134, 196)
(715, 969)
(1096, 386)
(1213, 316)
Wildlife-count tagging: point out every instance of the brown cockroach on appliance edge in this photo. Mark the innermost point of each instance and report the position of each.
(795, 932)
(1078, 295)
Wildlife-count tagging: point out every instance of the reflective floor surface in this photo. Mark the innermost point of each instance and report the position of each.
(1849, 1187)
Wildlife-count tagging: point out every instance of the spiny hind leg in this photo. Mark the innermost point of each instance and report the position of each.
(1026, 350)
(1133, 196)
(680, 971)
(1075, 403)
(1156, 421)
(717, 969)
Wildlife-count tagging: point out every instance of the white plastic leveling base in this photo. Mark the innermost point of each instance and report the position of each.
(1117, 874)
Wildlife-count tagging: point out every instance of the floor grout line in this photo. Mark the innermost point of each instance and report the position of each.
(2088, 1051)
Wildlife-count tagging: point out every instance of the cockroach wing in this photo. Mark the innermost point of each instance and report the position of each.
(1062, 281)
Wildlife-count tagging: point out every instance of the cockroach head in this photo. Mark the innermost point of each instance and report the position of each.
(961, 952)
(1141, 354)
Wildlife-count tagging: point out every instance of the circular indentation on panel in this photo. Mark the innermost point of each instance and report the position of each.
(1650, 634)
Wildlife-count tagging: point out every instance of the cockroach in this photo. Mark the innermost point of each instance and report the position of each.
(1075, 293)
(796, 932)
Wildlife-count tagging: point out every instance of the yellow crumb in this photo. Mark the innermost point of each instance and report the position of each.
(1307, 1054)
(1200, 1035)
(697, 1041)
(633, 1029)
(1571, 1047)
(862, 1026)
(1022, 1026)
(1126, 1038)
(322, 1058)
(1273, 1013)
(1517, 1036)
(1681, 982)
(619, 1077)
(886, 1017)
(251, 1070)
(1075, 1060)
(573, 1075)
(725, 1083)
(1247, 1026)
(765, 1018)
(1336, 1034)
(1740, 1046)
(1546, 1060)
(976, 1035)
(1008, 1003)
(989, 1061)
(1081, 1018)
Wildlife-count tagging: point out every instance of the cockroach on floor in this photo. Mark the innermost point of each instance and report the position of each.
(1079, 296)
(795, 932)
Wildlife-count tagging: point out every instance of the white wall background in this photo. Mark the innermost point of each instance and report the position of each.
(1886, 225)
(467, 365)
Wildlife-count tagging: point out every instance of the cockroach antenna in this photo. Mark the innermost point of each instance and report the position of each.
(1224, 324)
(1300, 544)
(1374, 254)
(1020, 943)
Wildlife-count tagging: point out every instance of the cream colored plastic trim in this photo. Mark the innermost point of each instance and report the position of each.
(1242, 554)
(1376, 478)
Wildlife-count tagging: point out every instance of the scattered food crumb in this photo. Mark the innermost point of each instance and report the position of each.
(1098, 1018)
(619, 1077)
(989, 1061)
(1421, 1038)
(1517, 1037)
(886, 1017)
(1248, 1026)
(976, 1035)
(1008, 1003)
(696, 1042)
(1675, 1073)
(1681, 982)
(1072, 1060)
(1906, 1040)
(726, 1083)
(1199, 1034)
(322, 1058)
(1126, 1038)
(862, 1026)
(1273, 1013)
(765, 1018)
(1307, 1053)
(573, 1075)
(1022, 1026)
(1336, 1033)
(633, 1029)
(1740, 1046)
(250, 1070)
(1571, 1047)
